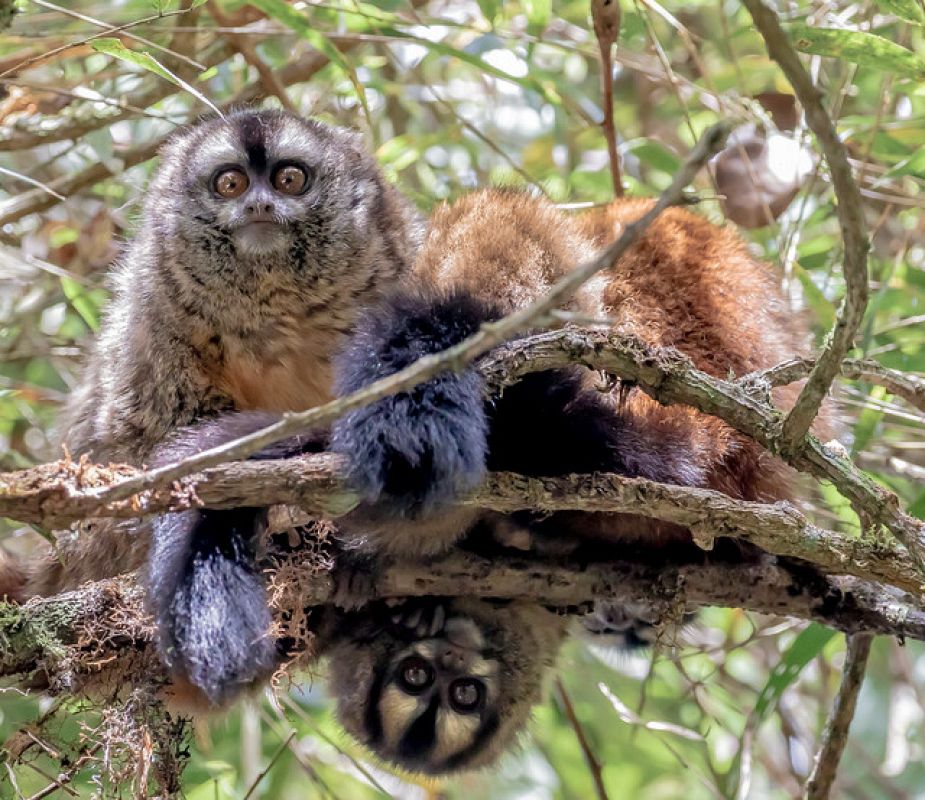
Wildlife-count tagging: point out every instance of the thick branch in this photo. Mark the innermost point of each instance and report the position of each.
(670, 377)
(33, 635)
(58, 494)
(850, 219)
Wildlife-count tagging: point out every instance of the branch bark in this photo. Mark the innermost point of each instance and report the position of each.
(56, 495)
(910, 388)
(835, 737)
(669, 377)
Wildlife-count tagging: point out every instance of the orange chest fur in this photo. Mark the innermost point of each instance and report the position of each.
(291, 372)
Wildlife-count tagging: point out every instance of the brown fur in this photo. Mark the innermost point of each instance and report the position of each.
(686, 284)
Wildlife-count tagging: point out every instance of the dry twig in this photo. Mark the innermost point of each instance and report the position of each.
(605, 15)
(835, 736)
(850, 219)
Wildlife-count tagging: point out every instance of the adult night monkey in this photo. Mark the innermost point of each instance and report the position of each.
(262, 235)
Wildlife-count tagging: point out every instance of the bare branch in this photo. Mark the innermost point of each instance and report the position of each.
(850, 218)
(605, 15)
(835, 736)
(35, 635)
(55, 495)
(594, 764)
(910, 388)
(268, 78)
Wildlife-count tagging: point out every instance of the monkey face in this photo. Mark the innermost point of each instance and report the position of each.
(262, 185)
(443, 686)
(437, 698)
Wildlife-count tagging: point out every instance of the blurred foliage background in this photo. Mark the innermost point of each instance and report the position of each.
(454, 94)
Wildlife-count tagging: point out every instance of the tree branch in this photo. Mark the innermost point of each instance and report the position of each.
(37, 635)
(670, 377)
(850, 219)
(56, 495)
(835, 736)
(910, 388)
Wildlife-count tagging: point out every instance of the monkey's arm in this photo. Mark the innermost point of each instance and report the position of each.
(203, 585)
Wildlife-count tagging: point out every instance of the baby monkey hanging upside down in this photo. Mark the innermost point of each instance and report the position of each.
(275, 269)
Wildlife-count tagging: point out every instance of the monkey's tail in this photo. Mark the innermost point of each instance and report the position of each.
(12, 577)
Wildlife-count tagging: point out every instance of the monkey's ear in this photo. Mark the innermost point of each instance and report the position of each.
(208, 600)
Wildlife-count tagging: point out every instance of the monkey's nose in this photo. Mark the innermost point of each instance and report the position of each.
(455, 658)
(259, 211)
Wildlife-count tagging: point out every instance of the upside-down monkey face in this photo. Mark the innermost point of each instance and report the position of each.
(434, 704)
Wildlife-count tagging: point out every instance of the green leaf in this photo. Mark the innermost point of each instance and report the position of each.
(803, 650)
(655, 155)
(914, 165)
(909, 10)
(819, 304)
(489, 9)
(538, 13)
(115, 48)
(302, 25)
(81, 302)
(866, 49)
(868, 420)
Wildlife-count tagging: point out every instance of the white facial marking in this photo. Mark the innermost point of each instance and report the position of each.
(260, 238)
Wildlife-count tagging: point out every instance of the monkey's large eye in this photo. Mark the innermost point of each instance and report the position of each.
(290, 179)
(466, 694)
(231, 183)
(415, 674)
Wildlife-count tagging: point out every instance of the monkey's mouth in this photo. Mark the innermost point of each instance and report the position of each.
(261, 236)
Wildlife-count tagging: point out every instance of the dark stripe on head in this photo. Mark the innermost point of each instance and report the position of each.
(252, 131)
(420, 738)
(479, 742)
(372, 719)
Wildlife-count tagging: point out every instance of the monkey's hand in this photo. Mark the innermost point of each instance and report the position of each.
(208, 600)
(418, 617)
(413, 452)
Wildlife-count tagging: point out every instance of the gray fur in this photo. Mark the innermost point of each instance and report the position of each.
(189, 292)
